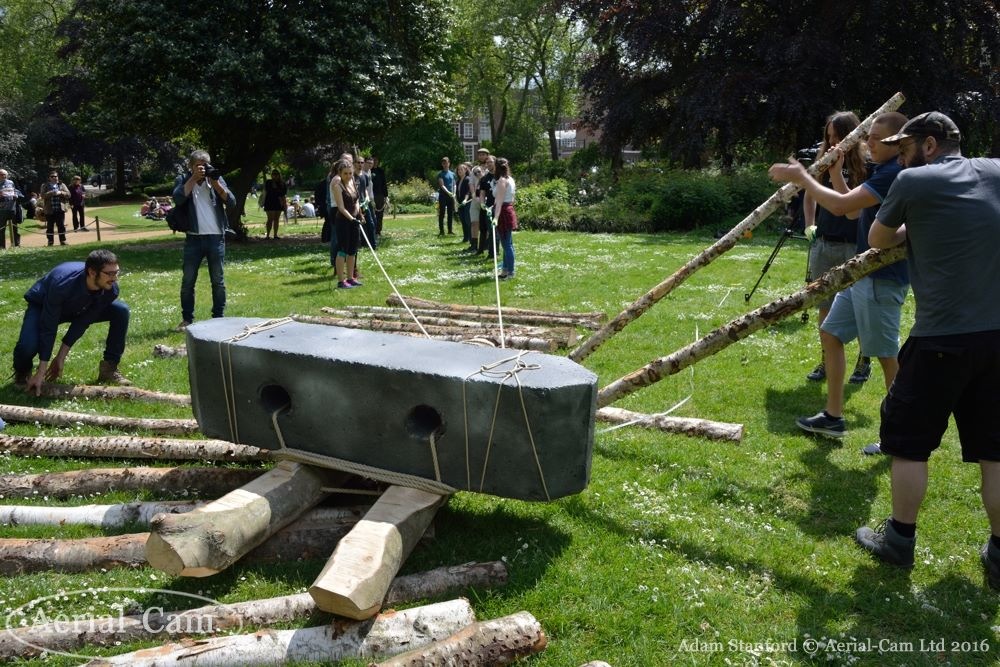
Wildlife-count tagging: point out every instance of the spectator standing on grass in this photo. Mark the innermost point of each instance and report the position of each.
(869, 310)
(275, 202)
(504, 214)
(474, 175)
(486, 200)
(380, 189)
(55, 197)
(446, 195)
(347, 221)
(464, 177)
(8, 209)
(946, 208)
(367, 193)
(207, 238)
(76, 199)
(81, 293)
(836, 235)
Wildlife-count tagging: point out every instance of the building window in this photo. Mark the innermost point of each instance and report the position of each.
(466, 130)
(470, 151)
(484, 130)
(457, 128)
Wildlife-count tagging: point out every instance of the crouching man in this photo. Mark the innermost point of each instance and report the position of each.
(80, 293)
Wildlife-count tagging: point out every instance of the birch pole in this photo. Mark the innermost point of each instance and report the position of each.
(829, 283)
(21, 413)
(728, 241)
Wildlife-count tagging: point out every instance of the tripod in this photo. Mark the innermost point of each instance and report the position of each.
(787, 234)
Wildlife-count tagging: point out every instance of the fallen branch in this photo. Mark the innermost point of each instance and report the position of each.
(129, 447)
(107, 517)
(167, 352)
(29, 641)
(682, 425)
(113, 392)
(829, 283)
(500, 641)
(728, 241)
(196, 482)
(20, 413)
(415, 302)
(387, 634)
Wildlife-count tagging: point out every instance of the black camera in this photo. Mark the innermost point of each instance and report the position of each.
(212, 172)
(807, 155)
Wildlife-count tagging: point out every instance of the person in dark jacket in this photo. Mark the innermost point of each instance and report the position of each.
(81, 293)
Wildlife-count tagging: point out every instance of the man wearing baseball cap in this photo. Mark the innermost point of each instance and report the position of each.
(946, 208)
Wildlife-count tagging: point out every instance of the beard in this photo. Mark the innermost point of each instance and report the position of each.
(917, 160)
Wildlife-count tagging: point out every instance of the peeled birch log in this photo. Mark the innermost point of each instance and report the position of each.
(20, 413)
(829, 283)
(113, 392)
(728, 241)
(213, 537)
(166, 351)
(595, 663)
(129, 447)
(196, 482)
(470, 329)
(107, 517)
(500, 641)
(295, 542)
(387, 634)
(415, 302)
(391, 312)
(29, 641)
(358, 574)
(682, 425)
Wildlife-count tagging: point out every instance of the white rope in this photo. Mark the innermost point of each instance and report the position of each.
(391, 284)
(496, 276)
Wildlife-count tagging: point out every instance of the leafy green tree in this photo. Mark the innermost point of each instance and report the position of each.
(254, 76)
(417, 148)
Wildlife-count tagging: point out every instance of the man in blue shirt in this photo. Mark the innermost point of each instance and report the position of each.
(446, 195)
(80, 293)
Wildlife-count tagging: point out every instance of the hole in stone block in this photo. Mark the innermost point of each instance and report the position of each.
(423, 421)
(274, 397)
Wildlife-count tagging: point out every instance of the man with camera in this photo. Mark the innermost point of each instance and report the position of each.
(55, 196)
(205, 193)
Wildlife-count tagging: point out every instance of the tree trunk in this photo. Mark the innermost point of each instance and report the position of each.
(120, 190)
(415, 302)
(829, 283)
(358, 574)
(111, 392)
(128, 447)
(497, 642)
(106, 517)
(196, 482)
(213, 537)
(166, 351)
(682, 425)
(729, 240)
(20, 413)
(29, 641)
(387, 634)
(553, 144)
(390, 312)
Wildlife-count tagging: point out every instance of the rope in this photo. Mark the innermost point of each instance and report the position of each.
(489, 371)
(496, 277)
(392, 284)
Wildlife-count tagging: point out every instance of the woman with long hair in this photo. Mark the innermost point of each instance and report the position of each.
(504, 214)
(275, 202)
(464, 178)
(347, 221)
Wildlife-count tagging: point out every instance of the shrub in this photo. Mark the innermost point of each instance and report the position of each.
(164, 189)
(413, 191)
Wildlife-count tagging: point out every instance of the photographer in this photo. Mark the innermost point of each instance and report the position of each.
(204, 191)
(55, 196)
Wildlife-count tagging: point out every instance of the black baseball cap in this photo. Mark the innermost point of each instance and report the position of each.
(931, 124)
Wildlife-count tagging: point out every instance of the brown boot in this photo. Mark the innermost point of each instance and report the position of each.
(21, 378)
(108, 374)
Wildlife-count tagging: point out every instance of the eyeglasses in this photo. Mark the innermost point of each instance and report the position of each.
(111, 274)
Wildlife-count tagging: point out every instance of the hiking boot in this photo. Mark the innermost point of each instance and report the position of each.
(107, 373)
(886, 544)
(990, 557)
(182, 327)
(872, 449)
(862, 371)
(824, 424)
(818, 374)
(21, 377)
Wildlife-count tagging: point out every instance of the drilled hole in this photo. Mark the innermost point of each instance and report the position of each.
(424, 421)
(274, 397)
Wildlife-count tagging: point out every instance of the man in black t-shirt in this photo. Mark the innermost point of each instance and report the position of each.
(485, 194)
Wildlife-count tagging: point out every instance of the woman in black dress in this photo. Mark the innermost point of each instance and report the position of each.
(347, 224)
(275, 202)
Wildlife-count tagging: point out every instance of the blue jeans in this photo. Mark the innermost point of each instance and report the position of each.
(197, 247)
(116, 315)
(507, 241)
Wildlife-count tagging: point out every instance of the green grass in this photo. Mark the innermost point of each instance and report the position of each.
(676, 540)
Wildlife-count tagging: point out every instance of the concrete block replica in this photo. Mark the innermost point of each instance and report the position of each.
(504, 422)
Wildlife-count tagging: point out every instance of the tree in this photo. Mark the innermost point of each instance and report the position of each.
(254, 76)
(714, 74)
(417, 147)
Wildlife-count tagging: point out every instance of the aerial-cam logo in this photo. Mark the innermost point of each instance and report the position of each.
(49, 624)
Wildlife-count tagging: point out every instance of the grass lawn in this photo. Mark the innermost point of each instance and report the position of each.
(681, 551)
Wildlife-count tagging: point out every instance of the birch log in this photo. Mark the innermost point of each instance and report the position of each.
(106, 517)
(167, 352)
(550, 320)
(500, 641)
(467, 329)
(729, 240)
(213, 537)
(829, 283)
(20, 413)
(128, 447)
(387, 634)
(196, 482)
(30, 641)
(113, 392)
(358, 574)
(415, 302)
(702, 428)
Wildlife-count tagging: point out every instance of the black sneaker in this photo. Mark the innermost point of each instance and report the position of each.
(990, 557)
(862, 371)
(886, 544)
(872, 449)
(824, 424)
(818, 374)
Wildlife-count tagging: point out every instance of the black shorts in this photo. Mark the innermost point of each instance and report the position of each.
(940, 376)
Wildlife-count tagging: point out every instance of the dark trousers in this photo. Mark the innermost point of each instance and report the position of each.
(379, 214)
(445, 204)
(9, 217)
(78, 221)
(55, 219)
(116, 315)
(463, 215)
(485, 232)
